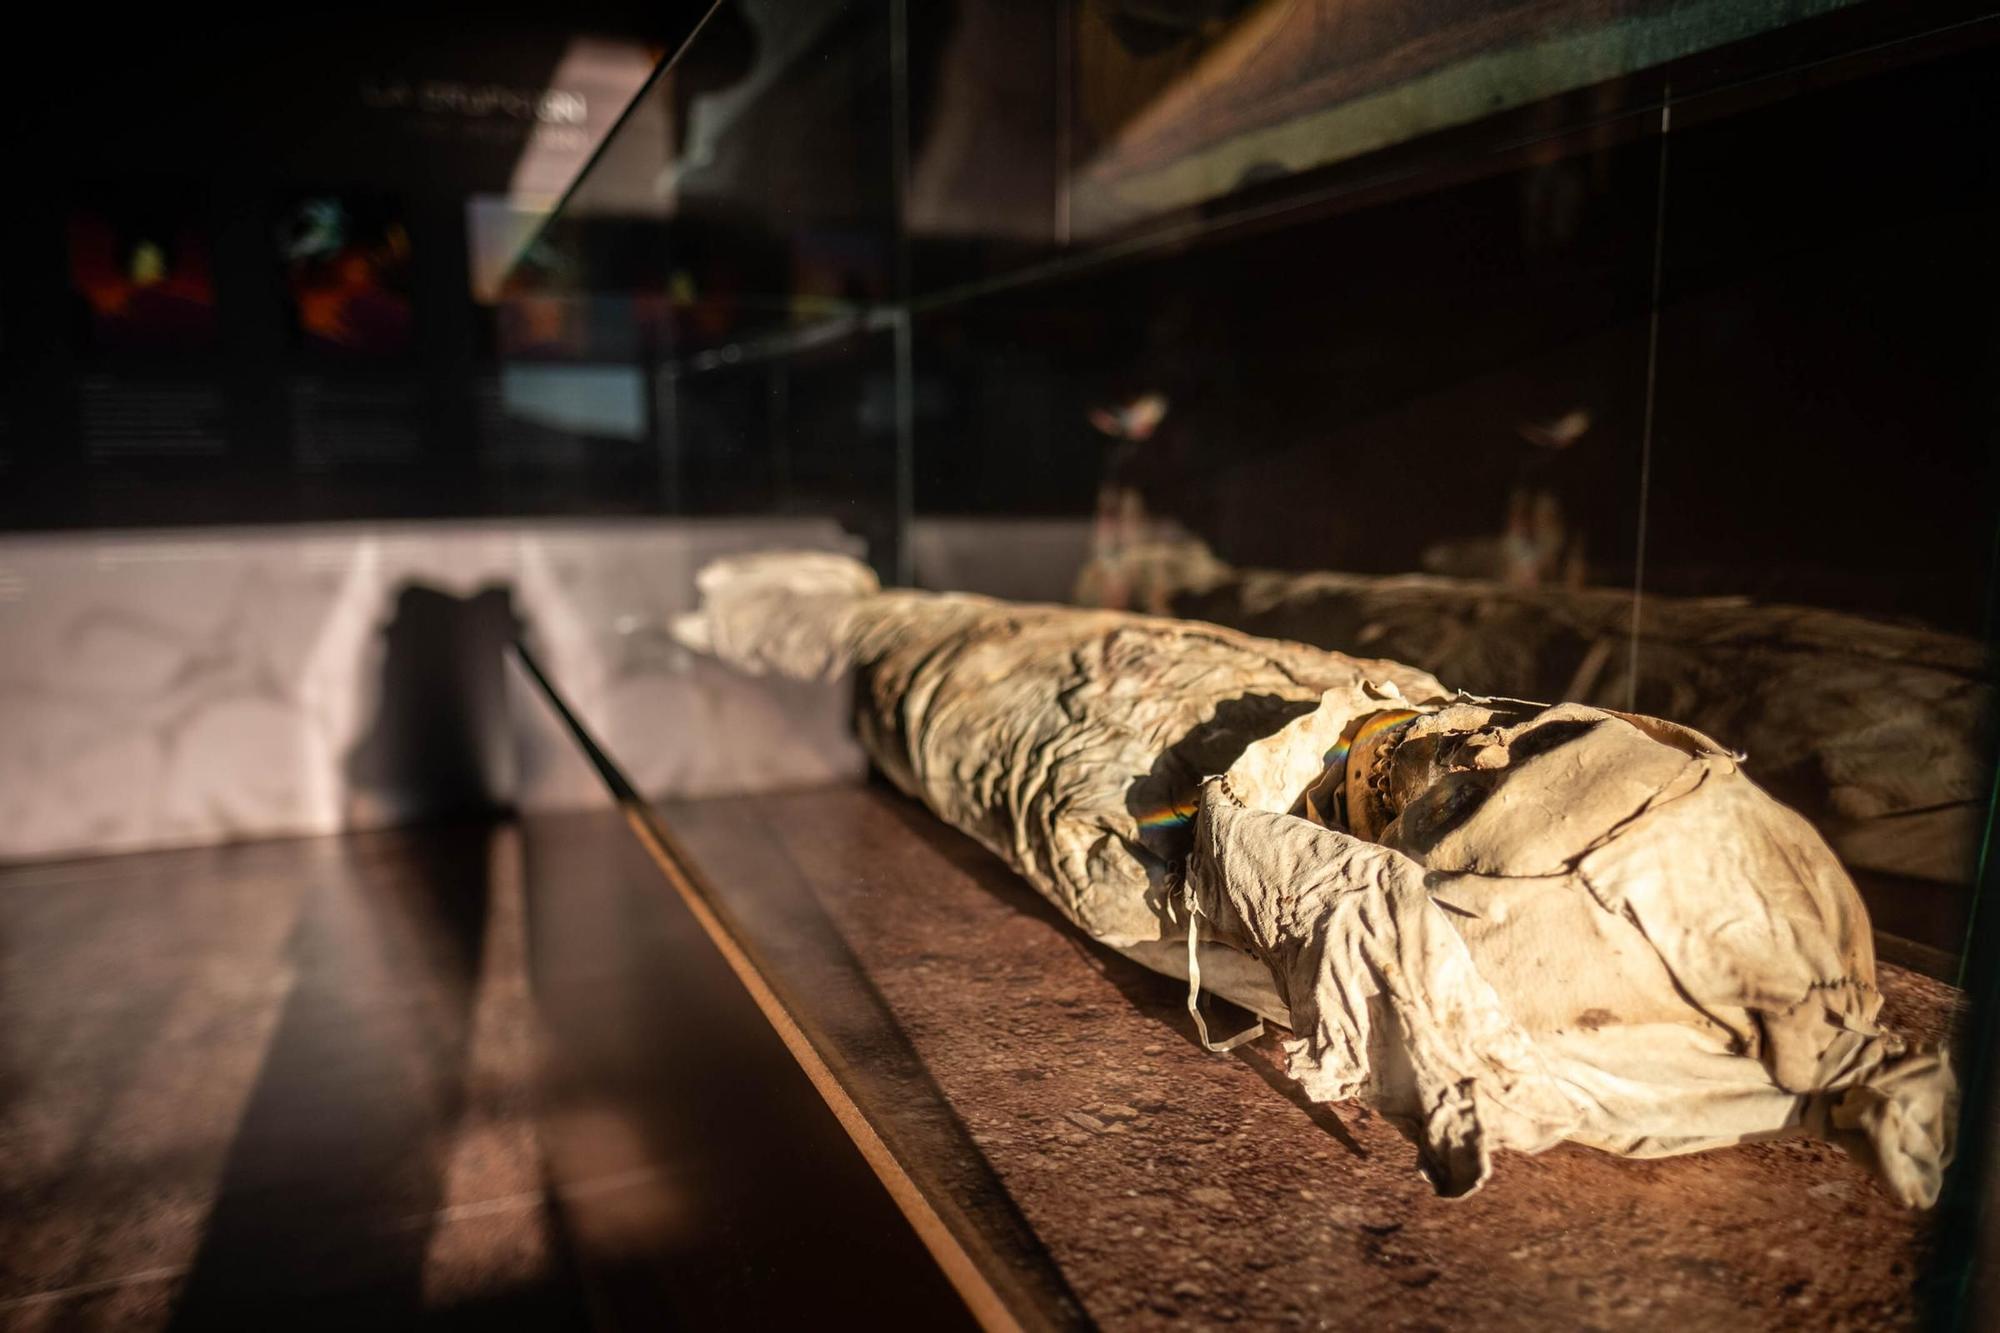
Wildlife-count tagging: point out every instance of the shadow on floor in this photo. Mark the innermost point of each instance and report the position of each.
(335, 1208)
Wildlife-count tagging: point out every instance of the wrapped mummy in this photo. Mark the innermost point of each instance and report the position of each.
(1502, 924)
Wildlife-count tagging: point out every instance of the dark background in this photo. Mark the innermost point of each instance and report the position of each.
(231, 118)
(1349, 387)
(1349, 381)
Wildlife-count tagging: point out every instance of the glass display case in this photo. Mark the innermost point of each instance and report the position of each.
(1633, 354)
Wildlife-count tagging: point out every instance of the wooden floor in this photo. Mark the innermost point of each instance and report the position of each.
(275, 1085)
(309, 1084)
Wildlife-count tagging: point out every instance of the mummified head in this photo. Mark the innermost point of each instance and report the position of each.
(1684, 955)
(1501, 787)
(1653, 822)
(1650, 817)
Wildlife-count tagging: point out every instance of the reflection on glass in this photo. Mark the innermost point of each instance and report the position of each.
(1553, 348)
(1181, 103)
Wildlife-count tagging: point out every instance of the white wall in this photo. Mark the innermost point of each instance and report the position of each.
(184, 687)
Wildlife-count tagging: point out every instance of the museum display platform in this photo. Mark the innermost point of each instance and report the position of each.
(1166, 1181)
(750, 1059)
(497, 1075)
(1041, 1111)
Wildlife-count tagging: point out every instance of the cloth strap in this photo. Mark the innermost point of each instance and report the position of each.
(1250, 1033)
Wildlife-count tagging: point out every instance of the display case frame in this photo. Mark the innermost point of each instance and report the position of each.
(1647, 296)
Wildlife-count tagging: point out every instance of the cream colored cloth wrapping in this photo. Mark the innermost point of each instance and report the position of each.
(1533, 924)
